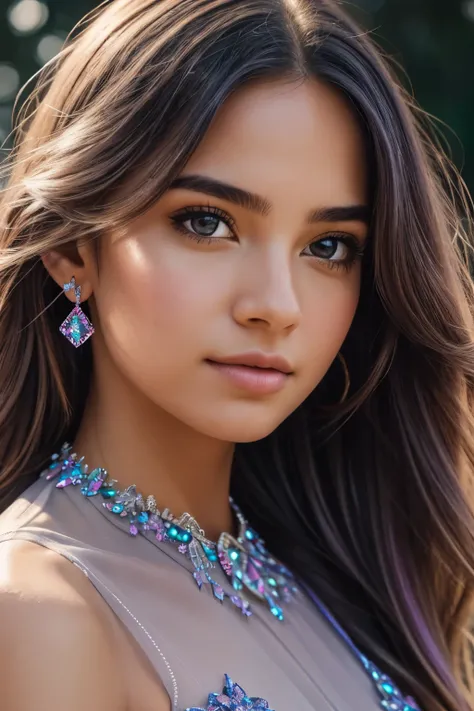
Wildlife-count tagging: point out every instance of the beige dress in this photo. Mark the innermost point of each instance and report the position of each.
(192, 639)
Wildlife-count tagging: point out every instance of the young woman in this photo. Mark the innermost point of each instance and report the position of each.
(234, 276)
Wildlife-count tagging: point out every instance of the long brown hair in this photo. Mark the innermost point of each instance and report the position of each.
(368, 502)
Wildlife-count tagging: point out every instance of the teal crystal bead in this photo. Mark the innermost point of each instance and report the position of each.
(176, 533)
(211, 553)
(276, 612)
(108, 493)
(117, 508)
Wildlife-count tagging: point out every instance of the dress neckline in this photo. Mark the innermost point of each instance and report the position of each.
(244, 559)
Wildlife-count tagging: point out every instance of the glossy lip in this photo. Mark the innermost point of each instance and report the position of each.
(257, 372)
(256, 359)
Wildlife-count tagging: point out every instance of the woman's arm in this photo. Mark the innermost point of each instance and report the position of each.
(55, 652)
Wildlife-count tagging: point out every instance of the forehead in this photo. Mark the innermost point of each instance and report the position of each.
(283, 139)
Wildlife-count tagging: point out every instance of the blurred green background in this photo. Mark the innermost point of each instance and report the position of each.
(433, 40)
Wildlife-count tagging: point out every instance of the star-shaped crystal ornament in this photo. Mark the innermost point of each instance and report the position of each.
(233, 698)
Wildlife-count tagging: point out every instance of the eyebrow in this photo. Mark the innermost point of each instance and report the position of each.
(262, 206)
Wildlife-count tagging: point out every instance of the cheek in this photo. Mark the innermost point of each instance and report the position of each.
(327, 316)
(153, 300)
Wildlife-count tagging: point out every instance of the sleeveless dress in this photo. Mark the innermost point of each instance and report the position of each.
(191, 639)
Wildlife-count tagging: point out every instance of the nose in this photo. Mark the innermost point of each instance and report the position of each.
(267, 297)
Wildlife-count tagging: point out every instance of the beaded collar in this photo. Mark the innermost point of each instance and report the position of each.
(245, 560)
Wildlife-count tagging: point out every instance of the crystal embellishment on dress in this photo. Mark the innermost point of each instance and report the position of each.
(232, 698)
(245, 559)
(392, 697)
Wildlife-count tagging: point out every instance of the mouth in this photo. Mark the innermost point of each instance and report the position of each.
(257, 359)
(256, 372)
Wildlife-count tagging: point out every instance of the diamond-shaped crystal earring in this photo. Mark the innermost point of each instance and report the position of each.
(76, 327)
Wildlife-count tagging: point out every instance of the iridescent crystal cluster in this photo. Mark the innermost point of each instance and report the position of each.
(245, 559)
(232, 698)
(392, 697)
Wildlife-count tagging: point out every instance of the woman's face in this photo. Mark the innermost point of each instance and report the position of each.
(253, 256)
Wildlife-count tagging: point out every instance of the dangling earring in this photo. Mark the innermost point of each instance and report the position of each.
(76, 327)
(347, 378)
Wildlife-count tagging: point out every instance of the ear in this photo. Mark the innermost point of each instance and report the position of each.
(72, 261)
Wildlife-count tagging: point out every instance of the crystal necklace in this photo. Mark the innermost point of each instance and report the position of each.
(245, 560)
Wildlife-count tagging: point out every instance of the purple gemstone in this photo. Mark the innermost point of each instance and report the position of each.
(76, 327)
(237, 693)
(53, 472)
(224, 699)
(218, 592)
(253, 573)
(63, 483)
(133, 529)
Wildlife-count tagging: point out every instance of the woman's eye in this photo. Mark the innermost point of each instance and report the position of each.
(202, 224)
(342, 250)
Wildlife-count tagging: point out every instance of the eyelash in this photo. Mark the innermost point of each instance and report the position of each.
(188, 213)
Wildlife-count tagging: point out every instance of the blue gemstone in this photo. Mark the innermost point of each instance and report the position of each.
(277, 611)
(173, 532)
(142, 517)
(117, 508)
(107, 493)
(234, 555)
(210, 553)
(388, 688)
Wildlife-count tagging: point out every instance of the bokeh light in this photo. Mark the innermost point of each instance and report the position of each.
(9, 82)
(48, 47)
(27, 16)
(433, 40)
(468, 9)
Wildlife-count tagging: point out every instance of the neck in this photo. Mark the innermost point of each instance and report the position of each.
(139, 443)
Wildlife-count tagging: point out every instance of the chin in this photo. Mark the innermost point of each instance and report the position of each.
(247, 430)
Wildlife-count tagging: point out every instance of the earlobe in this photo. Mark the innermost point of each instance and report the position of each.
(63, 269)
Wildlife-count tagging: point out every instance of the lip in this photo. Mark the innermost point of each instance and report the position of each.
(257, 359)
(258, 373)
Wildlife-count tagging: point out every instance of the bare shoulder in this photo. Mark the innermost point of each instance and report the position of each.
(55, 650)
